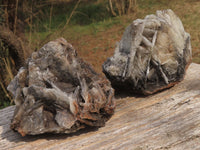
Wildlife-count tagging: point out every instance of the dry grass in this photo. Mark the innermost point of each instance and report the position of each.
(6, 68)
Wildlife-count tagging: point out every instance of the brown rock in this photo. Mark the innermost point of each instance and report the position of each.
(152, 55)
(58, 92)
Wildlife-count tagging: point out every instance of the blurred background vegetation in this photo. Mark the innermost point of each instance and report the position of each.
(91, 26)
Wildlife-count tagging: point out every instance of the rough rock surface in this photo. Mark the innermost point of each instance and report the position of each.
(58, 92)
(152, 55)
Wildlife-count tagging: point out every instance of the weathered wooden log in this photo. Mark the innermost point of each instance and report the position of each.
(152, 55)
(168, 120)
(58, 92)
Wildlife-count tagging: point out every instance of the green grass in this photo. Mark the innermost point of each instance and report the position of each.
(4, 100)
(85, 14)
(74, 32)
(4, 104)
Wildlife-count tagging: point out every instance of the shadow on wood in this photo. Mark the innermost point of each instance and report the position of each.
(166, 120)
(17, 138)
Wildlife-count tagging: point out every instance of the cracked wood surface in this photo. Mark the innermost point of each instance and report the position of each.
(167, 120)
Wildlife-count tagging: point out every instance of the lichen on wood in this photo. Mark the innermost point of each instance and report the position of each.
(56, 91)
(152, 55)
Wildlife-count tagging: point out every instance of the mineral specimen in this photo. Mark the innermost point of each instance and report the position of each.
(58, 92)
(152, 55)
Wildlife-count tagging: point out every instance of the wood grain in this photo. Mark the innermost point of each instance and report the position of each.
(167, 120)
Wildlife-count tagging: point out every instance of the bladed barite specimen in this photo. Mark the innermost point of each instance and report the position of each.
(58, 92)
(152, 55)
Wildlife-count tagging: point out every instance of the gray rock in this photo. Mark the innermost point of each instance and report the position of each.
(58, 92)
(152, 55)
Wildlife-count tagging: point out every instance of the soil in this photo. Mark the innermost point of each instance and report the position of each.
(96, 49)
